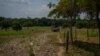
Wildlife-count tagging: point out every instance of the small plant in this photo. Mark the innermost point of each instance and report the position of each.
(31, 51)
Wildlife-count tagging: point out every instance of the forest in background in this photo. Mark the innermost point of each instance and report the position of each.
(5, 23)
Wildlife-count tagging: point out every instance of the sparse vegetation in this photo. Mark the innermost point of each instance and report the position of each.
(62, 33)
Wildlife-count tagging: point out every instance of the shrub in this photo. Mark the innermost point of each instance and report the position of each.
(17, 27)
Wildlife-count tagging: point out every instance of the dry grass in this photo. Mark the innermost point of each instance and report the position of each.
(20, 40)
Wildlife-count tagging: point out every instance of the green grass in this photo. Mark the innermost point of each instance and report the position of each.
(91, 47)
(12, 32)
(28, 31)
(94, 34)
(24, 31)
(83, 32)
(6, 36)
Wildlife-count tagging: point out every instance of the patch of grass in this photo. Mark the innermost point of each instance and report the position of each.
(11, 32)
(91, 47)
(5, 39)
(94, 34)
(6, 36)
(83, 32)
(24, 31)
(52, 38)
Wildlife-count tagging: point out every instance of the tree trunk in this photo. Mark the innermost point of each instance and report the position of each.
(97, 18)
(71, 31)
(75, 27)
(88, 26)
(87, 34)
(75, 33)
(75, 11)
(67, 42)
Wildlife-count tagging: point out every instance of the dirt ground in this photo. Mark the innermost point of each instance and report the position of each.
(40, 44)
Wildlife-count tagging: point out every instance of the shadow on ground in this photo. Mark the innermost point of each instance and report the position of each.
(60, 44)
(91, 47)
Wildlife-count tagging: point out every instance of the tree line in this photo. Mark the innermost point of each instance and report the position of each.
(6, 23)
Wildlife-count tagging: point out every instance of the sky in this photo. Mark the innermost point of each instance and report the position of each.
(24, 8)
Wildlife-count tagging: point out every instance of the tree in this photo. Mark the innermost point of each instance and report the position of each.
(17, 27)
(66, 9)
(2, 18)
(50, 5)
(28, 24)
(97, 16)
(5, 24)
(91, 7)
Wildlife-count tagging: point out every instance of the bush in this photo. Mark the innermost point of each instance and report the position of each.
(17, 27)
(5, 24)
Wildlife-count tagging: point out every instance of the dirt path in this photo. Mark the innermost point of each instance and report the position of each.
(61, 49)
(43, 46)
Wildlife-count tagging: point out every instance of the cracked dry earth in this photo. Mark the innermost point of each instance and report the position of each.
(42, 46)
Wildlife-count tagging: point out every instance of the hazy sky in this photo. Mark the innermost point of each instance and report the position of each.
(24, 8)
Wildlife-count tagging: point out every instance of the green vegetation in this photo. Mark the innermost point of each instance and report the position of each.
(11, 32)
(82, 33)
(5, 23)
(24, 31)
(28, 32)
(17, 27)
(91, 47)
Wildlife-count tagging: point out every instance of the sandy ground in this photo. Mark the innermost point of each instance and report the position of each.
(61, 48)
